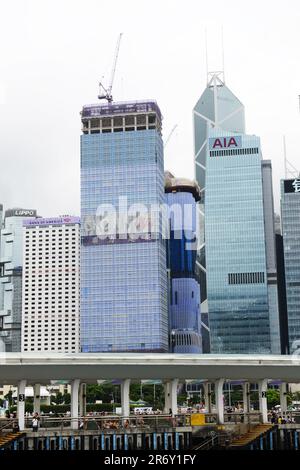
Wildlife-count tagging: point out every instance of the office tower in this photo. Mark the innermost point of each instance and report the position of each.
(270, 243)
(11, 262)
(290, 220)
(51, 285)
(238, 245)
(123, 277)
(217, 107)
(184, 297)
(283, 319)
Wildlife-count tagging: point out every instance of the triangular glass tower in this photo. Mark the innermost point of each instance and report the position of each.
(236, 261)
(216, 107)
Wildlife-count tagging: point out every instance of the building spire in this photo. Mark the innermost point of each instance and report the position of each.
(220, 73)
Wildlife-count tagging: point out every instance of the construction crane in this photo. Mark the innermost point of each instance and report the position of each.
(106, 93)
(170, 135)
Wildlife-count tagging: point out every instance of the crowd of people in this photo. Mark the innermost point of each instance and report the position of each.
(111, 423)
(276, 418)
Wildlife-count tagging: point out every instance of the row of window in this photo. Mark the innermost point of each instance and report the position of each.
(45, 284)
(184, 339)
(65, 349)
(223, 153)
(246, 278)
(119, 121)
(60, 319)
(59, 231)
(45, 310)
(73, 343)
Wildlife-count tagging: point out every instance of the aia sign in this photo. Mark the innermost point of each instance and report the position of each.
(228, 142)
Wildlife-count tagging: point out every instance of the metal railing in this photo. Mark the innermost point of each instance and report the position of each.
(208, 444)
(106, 422)
(100, 422)
(238, 417)
(8, 424)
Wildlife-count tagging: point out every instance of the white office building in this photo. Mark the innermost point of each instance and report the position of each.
(11, 262)
(51, 285)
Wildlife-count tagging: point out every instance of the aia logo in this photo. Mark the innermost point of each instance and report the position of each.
(225, 143)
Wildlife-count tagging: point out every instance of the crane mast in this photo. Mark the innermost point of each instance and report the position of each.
(106, 93)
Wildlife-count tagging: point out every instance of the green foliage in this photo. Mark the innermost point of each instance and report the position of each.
(104, 392)
(60, 409)
(273, 397)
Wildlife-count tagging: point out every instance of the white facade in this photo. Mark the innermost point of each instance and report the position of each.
(51, 285)
(11, 261)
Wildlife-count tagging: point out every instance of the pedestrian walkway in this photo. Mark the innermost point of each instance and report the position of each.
(251, 435)
(7, 439)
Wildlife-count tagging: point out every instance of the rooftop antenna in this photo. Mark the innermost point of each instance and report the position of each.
(285, 160)
(289, 170)
(206, 56)
(223, 60)
(106, 93)
(216, 76)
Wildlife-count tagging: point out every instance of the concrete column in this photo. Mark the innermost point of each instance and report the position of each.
(82, 400)
(167, 387)
(207, 396)
(173, 396)
(21, 404)
(125, 386)
(74, 403)
(219, 400)
(37, 398)
(283, 397)
(246, 397)
(262, 394)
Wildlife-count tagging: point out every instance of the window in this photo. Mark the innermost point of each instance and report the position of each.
(246, 278)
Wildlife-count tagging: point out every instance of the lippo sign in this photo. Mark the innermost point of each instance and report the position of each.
(228, 142)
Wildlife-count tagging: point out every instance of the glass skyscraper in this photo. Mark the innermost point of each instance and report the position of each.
(184, 303)
(290, 220)
(217, 107)
(237, 253)
(123, 277)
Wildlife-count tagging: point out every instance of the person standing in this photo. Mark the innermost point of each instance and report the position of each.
(35, 422)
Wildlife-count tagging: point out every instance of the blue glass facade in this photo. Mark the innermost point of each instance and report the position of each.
(237, 288)
(217, 107)
(290, 219)
(236, 260)
(184, 308)
(123, 282)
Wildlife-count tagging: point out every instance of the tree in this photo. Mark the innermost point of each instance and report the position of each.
(273, 397)
(67, 398)
(58, 398)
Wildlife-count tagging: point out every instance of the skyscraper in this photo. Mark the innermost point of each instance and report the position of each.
(184, 307)
(11, 262)
(282, 305)
(217, 107)
(123, 277)
(238, 251)
(290, 220)
(51, 274)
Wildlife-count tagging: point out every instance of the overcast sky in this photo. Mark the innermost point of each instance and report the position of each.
(53, 53)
